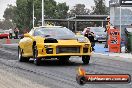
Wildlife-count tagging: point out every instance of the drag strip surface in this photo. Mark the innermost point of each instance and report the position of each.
(52, 74)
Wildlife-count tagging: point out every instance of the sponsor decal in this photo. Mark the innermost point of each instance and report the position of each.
(84, 78)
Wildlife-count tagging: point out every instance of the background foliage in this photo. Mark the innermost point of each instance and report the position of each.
(21, 14)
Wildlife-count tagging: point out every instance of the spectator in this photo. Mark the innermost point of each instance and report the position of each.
(10, 33)
(90, 36)
(16, 32)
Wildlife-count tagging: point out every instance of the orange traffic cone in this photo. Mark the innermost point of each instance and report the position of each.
(8, 41)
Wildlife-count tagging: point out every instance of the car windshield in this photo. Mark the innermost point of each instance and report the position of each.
(58, 33)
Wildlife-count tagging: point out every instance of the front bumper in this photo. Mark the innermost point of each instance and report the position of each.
(54, 51)
(57, 55)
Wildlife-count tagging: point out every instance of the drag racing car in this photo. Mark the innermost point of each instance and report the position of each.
(49, 42)
(4, 34)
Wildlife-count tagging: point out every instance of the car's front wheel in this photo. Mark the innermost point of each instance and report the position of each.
(37, 61)
(86, 59)
(20, 57)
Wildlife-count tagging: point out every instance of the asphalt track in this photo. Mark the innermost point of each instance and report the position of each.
(52, 74)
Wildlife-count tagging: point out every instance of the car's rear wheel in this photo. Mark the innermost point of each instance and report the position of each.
(37, 61)
(20, 57)
(86, 59)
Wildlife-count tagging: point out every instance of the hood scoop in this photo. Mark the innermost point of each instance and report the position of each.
(50, 40)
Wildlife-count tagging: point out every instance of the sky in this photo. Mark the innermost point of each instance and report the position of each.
(71, 3)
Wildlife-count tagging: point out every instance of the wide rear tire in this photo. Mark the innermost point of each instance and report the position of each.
(20, 57)
(85, 59)
(37, 61)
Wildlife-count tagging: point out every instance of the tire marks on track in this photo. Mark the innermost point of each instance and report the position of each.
(65, 74)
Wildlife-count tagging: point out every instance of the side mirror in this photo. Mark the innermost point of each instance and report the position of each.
(26, 35)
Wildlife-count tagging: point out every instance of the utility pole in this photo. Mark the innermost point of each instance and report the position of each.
(33, 14)
(42, 12)
(120, 22)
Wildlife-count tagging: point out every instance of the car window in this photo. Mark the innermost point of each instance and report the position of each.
(97, 29)
(59, 33)
(37, 33)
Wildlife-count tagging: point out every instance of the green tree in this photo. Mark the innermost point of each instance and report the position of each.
(9, 12)
(6, 24)
(52, 10)
(8, 15)
(21, 14)
(79, 9)
(99, 8)
(61, 11)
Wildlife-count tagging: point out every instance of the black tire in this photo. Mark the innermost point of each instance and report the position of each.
(81, 80)
(37, 61)
(85, 59)
(20, 57)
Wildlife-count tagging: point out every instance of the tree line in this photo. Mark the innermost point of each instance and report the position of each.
(21, 14)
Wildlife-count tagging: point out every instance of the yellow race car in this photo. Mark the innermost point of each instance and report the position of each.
(53, 42)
